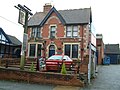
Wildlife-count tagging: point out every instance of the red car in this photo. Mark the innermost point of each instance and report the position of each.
(55, 62)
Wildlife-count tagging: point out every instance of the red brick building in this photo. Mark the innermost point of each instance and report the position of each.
(65, 31)
(100, 49)
(61, 31)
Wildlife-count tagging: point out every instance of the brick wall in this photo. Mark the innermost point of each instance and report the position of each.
(40, 77)
(100, 49)
(84, 65)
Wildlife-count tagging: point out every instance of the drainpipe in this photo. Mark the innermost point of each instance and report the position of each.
(82, 42)
(89, 65)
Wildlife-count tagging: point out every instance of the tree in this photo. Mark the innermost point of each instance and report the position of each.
(63, 70)
(32, 67)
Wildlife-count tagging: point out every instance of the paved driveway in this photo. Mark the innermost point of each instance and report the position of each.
(108, 78)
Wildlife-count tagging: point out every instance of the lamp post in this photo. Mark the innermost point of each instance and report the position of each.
(24, 13)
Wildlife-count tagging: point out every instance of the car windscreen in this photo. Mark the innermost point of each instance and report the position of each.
(66, 58)
(55, 58)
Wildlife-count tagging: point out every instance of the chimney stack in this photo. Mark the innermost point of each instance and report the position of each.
(47, 7)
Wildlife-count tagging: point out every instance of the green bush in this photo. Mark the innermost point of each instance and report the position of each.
(32, 67)
(63, 70)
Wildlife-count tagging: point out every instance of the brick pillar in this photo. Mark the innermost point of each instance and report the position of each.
(84, 65)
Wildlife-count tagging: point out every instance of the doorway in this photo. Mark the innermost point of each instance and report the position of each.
(51, 50)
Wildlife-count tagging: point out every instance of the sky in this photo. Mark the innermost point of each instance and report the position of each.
(105, 15)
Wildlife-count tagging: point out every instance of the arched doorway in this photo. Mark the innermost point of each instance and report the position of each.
(51, 50)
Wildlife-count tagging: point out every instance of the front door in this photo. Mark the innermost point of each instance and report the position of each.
(51, 50)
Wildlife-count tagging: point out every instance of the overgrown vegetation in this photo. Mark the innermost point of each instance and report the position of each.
(63, 70)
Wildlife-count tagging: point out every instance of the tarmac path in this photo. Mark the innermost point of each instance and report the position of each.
(108, 78)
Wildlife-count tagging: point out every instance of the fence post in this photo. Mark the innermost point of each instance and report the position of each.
(0, 61)
(6, 63)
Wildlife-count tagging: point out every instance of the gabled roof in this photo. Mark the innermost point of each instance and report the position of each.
(75, 16)
(112, 49)
(36, 19)
(3, 33)
(48, 15)
(14, 40)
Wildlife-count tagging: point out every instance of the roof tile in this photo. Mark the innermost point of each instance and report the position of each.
(75, 16)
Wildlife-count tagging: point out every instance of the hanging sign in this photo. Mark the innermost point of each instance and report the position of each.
(21, 18)
(25, 38)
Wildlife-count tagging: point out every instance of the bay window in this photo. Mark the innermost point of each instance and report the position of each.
(32, 50)
(67, 49)
(71, 50)
(74, 51)
(35, 50)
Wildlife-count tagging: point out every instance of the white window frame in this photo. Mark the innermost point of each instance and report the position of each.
(35, 31)
(71, 48)
(54, 25)
(36, 51)
(29, 50)
(72, 31)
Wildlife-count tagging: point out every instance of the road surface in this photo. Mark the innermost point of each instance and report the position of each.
(108, 78)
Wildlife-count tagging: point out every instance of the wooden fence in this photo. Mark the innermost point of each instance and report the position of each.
(8, 62)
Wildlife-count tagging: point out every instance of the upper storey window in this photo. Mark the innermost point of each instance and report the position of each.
(52, 31)
(72, 31)
(36, 32)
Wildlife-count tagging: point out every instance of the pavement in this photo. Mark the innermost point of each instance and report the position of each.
(108, 78)
(66, 88)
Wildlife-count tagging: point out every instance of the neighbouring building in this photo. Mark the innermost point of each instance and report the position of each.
(113, 51)
(10, 46)
(62, 32)
(100, 49)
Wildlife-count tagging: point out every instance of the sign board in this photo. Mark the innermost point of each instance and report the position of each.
(25, 38)
(21, 18)
(93, 39)
(93, 35)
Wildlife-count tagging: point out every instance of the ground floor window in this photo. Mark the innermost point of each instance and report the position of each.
(39, 50)
(32, 50)
(67, 49)
(71, 50)
(35, 50)
(75, 51)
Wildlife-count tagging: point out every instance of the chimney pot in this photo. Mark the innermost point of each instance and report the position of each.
(47, 7)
